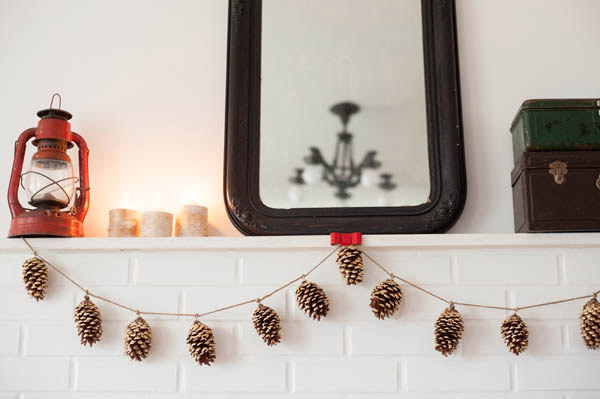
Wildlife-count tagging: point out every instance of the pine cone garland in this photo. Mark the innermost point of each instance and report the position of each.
(88, 321)
(267, 324)
(201, 343)
(35, 277)
(589, 323)
(312, 299)
(448, 330)
(349, 260)
(138, 339)
(515, 334)
(386, 299)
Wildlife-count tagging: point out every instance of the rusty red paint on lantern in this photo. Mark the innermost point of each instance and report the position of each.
(54, 211)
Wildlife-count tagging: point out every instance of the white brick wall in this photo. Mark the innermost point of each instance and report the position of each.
(349, 355)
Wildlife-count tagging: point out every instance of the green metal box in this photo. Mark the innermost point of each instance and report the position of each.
(556, 125)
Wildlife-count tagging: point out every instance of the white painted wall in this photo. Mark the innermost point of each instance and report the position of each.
(349, 354)
(146, 83)
(512, 50)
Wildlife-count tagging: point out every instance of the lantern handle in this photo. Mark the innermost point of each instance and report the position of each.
(59, 100)
(13, 186)
(82, 202)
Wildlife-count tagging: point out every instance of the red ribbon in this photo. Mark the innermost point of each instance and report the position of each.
(346, 238)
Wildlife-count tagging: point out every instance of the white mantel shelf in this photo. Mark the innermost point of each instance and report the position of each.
(563, 240)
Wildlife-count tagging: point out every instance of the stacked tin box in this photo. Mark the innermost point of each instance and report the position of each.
(556, 177)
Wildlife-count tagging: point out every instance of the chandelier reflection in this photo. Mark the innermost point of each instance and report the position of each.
(343, 172)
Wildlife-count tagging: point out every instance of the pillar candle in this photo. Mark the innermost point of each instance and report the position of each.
(156, 224)
(191, 221)
(123, 223)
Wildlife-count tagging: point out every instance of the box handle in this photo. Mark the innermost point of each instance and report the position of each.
(558, 169)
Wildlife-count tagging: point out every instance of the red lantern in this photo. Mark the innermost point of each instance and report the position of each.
(59, 207)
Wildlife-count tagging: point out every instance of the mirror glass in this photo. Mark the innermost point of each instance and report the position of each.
(343, 113)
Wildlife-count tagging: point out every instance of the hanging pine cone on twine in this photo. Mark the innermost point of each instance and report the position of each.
(88, 321)
(35, 277)
(386, 299)
(138, 339)
(515, 334)
(201, 343)
(448, 330)
(312, 299)
(267, 324)
(349, 260)
(589, 323)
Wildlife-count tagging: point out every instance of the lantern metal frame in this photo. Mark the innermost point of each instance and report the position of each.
(50, 219)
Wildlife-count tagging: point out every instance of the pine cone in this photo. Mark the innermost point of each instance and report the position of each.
(267, 324)
(201, 343)
(589, 322)
(386, 298)
(88, 321)
(350, 262)
(138, 339)
(515, 334)
(312, 299)
(35, 276)
(448, 330)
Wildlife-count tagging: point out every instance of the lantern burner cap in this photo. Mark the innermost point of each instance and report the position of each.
(54, 113)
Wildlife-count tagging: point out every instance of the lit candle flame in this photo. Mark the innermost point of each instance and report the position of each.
(157, 204)
(191, 196)
(125, 202)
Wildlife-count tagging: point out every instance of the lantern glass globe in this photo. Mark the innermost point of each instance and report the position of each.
(39, 182)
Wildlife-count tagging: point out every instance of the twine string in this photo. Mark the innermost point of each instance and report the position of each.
(473, 305)
(555, 302)
(195, 315)
(301, 277)
(393, 276)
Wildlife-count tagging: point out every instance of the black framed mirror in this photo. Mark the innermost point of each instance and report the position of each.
(343, 115)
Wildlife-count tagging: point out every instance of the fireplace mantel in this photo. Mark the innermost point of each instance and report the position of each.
(350, 351)
(563, 240)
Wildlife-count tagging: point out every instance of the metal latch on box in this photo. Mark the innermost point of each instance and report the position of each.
(558, 169)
